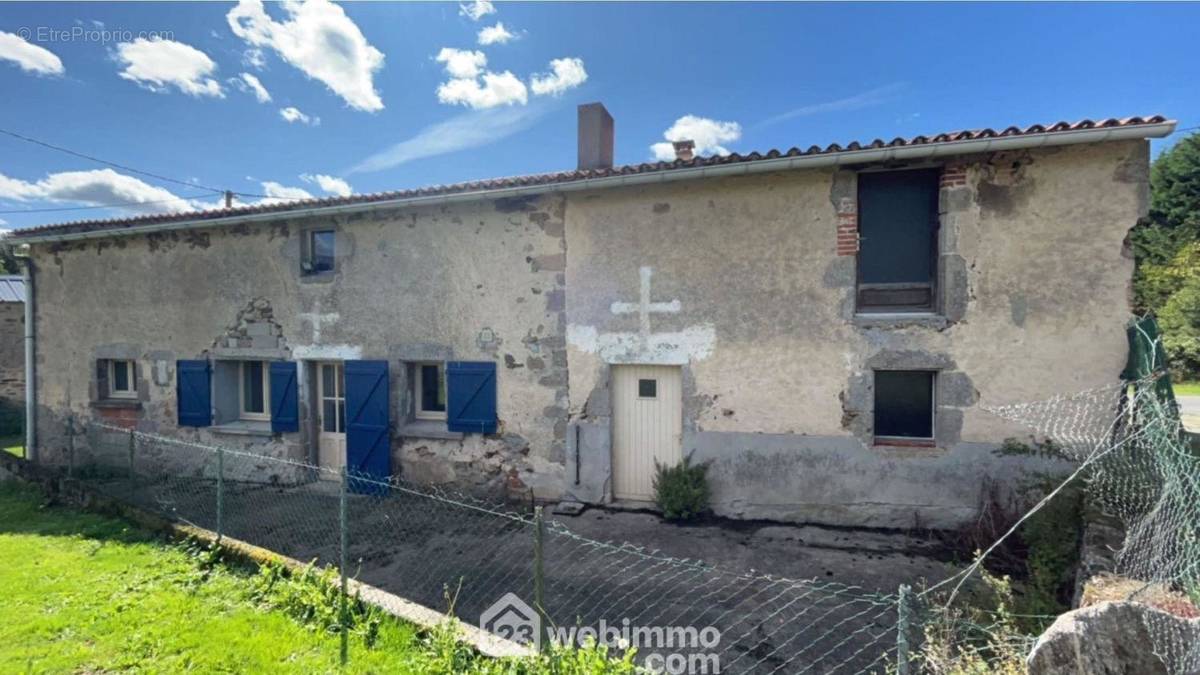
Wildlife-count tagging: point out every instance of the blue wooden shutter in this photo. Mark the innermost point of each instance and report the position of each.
(193, 393)
(285, 397)
(368, 437)
(471, 396)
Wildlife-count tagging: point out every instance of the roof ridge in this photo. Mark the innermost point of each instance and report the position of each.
(568, 176)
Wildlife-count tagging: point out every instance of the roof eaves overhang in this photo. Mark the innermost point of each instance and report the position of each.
(908, 153)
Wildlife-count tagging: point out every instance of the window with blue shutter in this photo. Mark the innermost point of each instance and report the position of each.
(368, 432)
(285, 397)
(193, 393)
(471, 396)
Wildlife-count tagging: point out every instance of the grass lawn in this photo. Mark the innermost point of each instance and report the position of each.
(1187, 388)
(84, 593)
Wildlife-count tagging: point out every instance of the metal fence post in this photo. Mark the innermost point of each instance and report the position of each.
(220, 493)
(70, 446)
(539, 573)
(344, 537)
(902, 621)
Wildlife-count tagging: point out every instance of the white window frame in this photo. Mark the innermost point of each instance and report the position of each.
(338, 396)
(265, 415)
(418, 391)
(310, 250)
(113, 392)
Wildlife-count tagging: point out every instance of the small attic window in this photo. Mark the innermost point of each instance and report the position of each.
(318, 252)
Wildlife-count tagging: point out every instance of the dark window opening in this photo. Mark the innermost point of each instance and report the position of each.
(647, 388)
(320, 252)
(903, 405)
(433, 389)
(897, 227)
(254, 389)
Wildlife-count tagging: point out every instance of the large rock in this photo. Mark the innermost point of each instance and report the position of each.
(1109, 638)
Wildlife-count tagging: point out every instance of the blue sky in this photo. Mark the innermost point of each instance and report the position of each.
(163, 90)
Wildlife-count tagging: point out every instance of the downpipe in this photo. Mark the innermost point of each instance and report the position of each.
(31, 448)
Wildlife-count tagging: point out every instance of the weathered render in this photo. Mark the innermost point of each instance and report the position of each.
(1035, 294)
(475, 281)
(12, 353)
(746, 283)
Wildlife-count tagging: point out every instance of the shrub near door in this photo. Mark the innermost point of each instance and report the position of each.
(681, 491)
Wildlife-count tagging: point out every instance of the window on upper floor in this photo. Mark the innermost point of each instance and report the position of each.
(904, 407)
(318, 252)
(898, 228)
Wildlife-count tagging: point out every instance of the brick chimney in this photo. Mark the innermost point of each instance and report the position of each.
(595, 137)
(684, 150)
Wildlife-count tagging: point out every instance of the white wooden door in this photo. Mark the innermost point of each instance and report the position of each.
(331, 417)
(647, 427)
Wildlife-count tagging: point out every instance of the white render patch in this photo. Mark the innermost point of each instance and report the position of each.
(644, 307)
(317, 319)
(693, 343)
(326, 352)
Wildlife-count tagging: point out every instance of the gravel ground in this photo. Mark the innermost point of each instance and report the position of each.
(840, 617)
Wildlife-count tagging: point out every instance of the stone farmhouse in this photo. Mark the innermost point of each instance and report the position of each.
(825, 326)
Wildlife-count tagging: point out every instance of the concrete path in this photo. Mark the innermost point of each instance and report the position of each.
(1190, 407)
(828, 606)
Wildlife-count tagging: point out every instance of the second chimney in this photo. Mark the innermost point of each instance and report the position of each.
(595, 137)
(684, 150)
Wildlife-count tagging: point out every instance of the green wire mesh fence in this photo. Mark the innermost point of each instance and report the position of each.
(446, 550)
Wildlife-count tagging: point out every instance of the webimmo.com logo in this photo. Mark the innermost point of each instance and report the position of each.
(660, 649)
(512, 619)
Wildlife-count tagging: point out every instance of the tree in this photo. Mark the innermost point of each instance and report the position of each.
(1167, 249)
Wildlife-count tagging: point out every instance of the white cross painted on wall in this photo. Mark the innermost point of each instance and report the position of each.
(316, 319)
(644, 307)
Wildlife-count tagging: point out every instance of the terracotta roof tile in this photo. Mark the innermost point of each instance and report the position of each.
(567, 177)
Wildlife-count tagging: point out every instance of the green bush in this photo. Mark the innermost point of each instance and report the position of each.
(681, 491)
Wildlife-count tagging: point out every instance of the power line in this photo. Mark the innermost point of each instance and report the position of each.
(122, 167)
(102, 206)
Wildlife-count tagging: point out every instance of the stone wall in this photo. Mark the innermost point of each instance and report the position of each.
(12, 352)
(745, 290)
(481, 281)
(1034, 280)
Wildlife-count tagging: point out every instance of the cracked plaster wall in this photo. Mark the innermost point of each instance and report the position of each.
(1034, 292)
(481, 281)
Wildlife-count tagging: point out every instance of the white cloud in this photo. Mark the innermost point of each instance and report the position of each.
(158, 64)
(254, 58)
(249, 83)
(99, 187)
(462, 63)
(476, 10)
(496, 89)
(330, 184)
(320, 40)
(468, 130)
(292, 115)
(566, 74)
(495, 35)
(466, 69)
(31, 58)
(709, 135)
(278, 194)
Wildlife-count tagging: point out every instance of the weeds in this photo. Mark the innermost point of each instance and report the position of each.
(681, 491)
